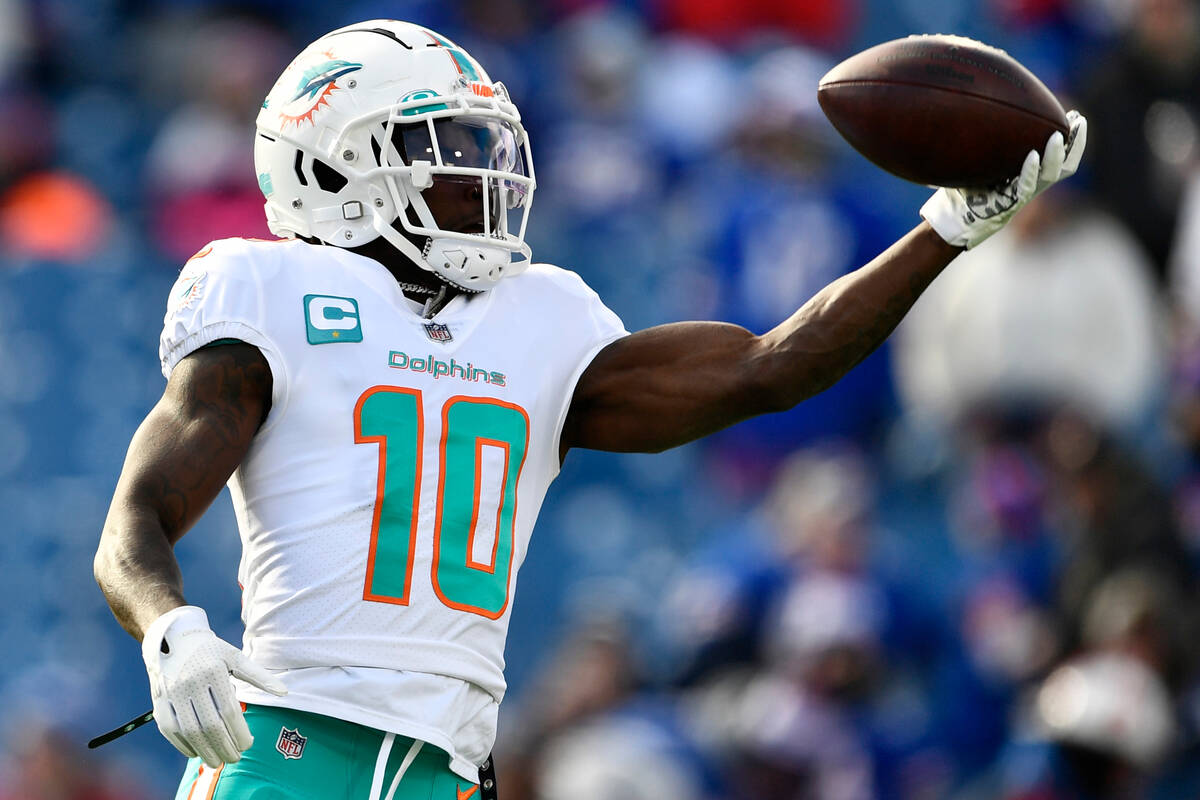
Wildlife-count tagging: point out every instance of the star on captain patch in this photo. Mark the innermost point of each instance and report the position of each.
(438, 332)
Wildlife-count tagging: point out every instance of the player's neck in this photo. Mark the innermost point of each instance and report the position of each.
(417, 284)
(407, 274)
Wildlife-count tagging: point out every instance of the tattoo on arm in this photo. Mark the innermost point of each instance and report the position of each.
(220, 402)
(182, 454)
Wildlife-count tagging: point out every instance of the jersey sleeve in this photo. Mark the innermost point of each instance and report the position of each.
(220, 295)
(596, 327)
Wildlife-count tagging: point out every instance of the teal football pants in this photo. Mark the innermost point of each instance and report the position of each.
(301, 756)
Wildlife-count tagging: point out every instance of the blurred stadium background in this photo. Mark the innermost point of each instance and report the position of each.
(968, 571)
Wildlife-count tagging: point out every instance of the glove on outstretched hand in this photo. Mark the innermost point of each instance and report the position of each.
(194, 703)
(965, 217)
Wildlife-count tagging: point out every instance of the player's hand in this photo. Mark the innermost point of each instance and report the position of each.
(965, 217)
(194, 703)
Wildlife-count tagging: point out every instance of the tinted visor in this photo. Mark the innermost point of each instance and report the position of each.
(476, 143)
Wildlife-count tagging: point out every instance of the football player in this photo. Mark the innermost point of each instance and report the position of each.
(388, 391)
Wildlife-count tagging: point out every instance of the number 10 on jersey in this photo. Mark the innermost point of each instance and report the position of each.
(477, 432)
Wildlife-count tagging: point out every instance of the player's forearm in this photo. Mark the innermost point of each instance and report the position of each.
(848, 319)
(136, 568)
(669, 385)
(180, 457)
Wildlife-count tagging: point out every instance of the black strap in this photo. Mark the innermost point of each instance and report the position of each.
(487, 780)
(117, 733)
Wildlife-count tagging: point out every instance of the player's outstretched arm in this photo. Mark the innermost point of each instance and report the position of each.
(665, 386)
(669, 385)
(180, 457)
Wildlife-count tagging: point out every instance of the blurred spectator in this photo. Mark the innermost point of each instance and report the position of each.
(1141, 612)
(602, 51)
(15, 40)
(595, 114)
(780, 738)
(828, 633)
(787, 631)
(1020, 13)
(600, 176)
(1111, 717)
(1100, 727)
(1004, 581)
(822, 502)
(1008, 561)
(590, 732)
(1117, 517)
(53, 216)
(623, 756)
(729, 21)
(785, 230)
(688, 73)
(1184, 396)
(1184, 266)
(1001, 512)
(593, 671)
(738, 581)
(499, 20)
(1059, 309)
(1103, 724)
(1143, 108)
(589, 673)
(1008, 636)
(21, 112)
(46, 764)
(804, 711)
(201, 164)
(815, 517)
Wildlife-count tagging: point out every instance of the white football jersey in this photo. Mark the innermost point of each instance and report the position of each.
(387, 502)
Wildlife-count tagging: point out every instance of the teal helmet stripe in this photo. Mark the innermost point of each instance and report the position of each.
(461, 60)
(464, 64)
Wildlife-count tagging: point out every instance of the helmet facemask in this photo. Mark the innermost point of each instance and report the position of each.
(462, 181)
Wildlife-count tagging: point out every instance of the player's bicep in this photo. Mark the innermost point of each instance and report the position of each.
(196, 435)
(665, 386)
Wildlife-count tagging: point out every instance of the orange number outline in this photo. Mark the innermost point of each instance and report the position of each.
(437, 525)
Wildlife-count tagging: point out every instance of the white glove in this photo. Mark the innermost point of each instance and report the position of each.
(194, 703)
(965, 217)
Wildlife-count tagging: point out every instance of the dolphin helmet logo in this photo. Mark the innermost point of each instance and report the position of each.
(316, 84)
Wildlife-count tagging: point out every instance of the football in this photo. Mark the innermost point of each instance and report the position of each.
(941, 110)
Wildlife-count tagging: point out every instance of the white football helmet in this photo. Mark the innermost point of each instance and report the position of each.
(370, 123)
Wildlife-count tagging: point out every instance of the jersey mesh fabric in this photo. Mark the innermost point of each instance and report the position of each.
(338, 571)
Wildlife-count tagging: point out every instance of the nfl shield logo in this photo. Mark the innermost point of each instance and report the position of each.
(291, 743)
(438, 332)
